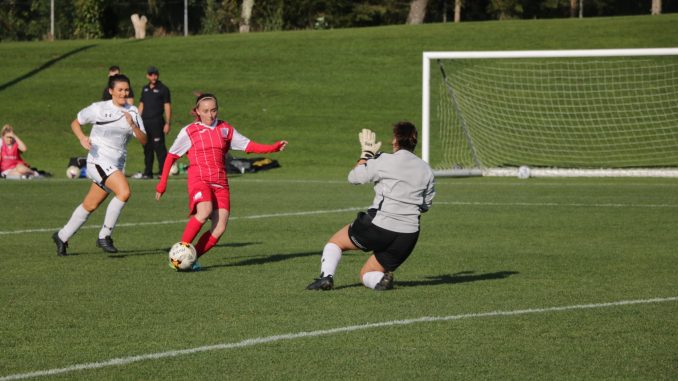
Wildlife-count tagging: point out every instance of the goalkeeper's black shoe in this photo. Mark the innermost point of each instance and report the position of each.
(106, 244)
(386, 282)
(323, 283)
(61, 246)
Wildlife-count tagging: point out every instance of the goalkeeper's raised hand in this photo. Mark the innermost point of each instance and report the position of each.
(368, 144)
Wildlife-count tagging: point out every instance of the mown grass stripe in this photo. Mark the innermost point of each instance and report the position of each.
(300, 335)
(166, 222)
(315, 212)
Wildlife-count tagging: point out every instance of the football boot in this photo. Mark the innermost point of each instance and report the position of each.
(61, 246)
(323, 283)
(106, 244)
(386, 282)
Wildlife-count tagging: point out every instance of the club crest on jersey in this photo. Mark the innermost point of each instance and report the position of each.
(224, 132)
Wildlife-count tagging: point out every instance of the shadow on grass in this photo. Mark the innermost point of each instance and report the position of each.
(461, 277)
(261, 260)
(44, 66)
(434, 280)
(153, 251)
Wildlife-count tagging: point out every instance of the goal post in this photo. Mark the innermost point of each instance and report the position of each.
(601, 112)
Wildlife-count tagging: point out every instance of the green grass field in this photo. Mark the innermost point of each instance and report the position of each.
(314, 88)
(512, 279)
(488, 245)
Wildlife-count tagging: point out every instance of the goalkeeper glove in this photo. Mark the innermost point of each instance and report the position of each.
(368, 144)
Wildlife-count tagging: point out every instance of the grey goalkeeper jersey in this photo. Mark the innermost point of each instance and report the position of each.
(404, 188)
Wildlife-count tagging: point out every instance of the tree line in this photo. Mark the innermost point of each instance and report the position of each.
(71, 19)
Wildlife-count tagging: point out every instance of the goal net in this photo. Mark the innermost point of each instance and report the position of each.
(560, 113)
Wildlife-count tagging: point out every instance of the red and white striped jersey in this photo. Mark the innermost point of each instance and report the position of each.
(207, 148)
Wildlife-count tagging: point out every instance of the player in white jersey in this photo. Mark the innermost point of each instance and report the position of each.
(114, 123)
(404, 188)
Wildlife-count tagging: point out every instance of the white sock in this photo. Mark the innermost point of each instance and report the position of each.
(372, 278)
(78, 218)
(112, 213)
(330, 259)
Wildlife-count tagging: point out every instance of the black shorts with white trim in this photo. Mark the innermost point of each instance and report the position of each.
(390, 248)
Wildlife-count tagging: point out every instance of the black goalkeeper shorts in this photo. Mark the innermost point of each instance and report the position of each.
(390, 248)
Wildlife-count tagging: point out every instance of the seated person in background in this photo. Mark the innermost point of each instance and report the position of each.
(11, 164)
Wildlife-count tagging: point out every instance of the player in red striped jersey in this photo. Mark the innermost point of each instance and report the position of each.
(206, 142)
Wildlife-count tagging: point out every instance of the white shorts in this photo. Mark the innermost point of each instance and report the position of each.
(98, 173)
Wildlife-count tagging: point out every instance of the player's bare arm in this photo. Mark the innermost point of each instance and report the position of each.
(141, 137)
(82, 138)
(168, 115)
(19, 142)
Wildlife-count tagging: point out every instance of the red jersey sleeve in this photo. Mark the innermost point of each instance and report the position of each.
(254, 147)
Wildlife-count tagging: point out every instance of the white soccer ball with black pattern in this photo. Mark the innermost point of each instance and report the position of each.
(73, 172)
(182, 255)
(174, 169)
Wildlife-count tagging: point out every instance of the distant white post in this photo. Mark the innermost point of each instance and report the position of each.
(425, 104)
(185, 18)
(51, 20)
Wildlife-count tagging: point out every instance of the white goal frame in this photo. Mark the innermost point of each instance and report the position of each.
(427, 57)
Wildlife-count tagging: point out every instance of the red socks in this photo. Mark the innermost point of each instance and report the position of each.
(191, 230)
(206, 242)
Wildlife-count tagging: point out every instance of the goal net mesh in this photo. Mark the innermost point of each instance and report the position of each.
(604, 112)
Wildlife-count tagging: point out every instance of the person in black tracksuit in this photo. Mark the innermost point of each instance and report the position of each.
(156, 110)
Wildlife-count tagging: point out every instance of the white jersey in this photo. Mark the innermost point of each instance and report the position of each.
(110, 131)
(404, 188)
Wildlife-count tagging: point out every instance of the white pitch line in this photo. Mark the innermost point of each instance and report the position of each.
(556, 204)
(314, 212)
(459, 182)
(453, 182)
(291, 181)
(325, 332)
(167, 222)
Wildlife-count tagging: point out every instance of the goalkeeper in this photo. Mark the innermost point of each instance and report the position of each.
(404, 188)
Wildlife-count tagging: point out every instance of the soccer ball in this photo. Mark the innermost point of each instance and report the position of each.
(174, 169)
(73, 172)
(524, 172)
(182, 255)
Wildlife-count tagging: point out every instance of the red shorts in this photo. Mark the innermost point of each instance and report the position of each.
(201, 192)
